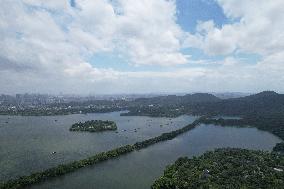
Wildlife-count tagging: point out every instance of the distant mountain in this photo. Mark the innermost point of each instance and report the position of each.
(174, 100)
(267, 102)
(264, 103)
(228, 95)
(264, 110)
(200, 97)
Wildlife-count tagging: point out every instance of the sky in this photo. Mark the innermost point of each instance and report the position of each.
(145, 46)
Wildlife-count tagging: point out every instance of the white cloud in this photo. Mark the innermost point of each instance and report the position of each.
(43, 40)
(150, 32)
(45, 46)
(259, 29)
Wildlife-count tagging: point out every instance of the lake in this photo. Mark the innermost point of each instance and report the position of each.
(29, 141)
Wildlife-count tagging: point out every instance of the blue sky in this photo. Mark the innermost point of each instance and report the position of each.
(188, 14)
(146, 46)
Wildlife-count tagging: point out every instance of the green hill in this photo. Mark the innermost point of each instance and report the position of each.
(225, 168)
(267, 102)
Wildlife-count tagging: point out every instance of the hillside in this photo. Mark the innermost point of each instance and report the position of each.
(171, 100)
(264, 103)
(168, 106)
(264, 110)
(225, 168)
(267, 102)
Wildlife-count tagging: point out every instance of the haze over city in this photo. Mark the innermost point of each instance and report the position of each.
(122, 46)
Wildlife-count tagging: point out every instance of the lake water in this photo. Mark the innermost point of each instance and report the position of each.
(29, 141)
(139, 169)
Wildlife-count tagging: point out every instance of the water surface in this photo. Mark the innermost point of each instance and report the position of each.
(140, 168)
(27, 142)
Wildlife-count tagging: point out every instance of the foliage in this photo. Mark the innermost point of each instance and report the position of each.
(264, 111)
(228, 168)
(94, 126)
(65, 168)
(225, 168)
(273, 123)
(165, 136)
(70, 167)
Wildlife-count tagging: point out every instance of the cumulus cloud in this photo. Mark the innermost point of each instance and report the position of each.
(43, 40)
(54, 38)
(45, 46)
(256, 27)
(150, 29)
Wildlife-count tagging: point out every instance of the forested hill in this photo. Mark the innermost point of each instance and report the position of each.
(267, 102)
(174, 100)
(264, 110)
(225, 168)
(264, 103)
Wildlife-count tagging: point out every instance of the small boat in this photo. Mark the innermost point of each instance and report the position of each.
(53, 153)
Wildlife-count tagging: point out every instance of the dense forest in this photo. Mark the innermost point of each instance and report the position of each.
(272, 123)
(94, 126)
(174, 100)
(225, 168)
(264, 110)
(264, 103)
(168, 106)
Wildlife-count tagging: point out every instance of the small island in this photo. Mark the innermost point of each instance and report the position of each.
(94, 126)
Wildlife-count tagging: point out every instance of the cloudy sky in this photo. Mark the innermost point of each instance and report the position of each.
(145, 46)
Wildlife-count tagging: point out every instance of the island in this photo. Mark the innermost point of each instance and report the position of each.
(63, 169)
(225, 168)
(94, 126)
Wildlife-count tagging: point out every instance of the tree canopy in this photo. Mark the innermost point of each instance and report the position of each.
(225, 168)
